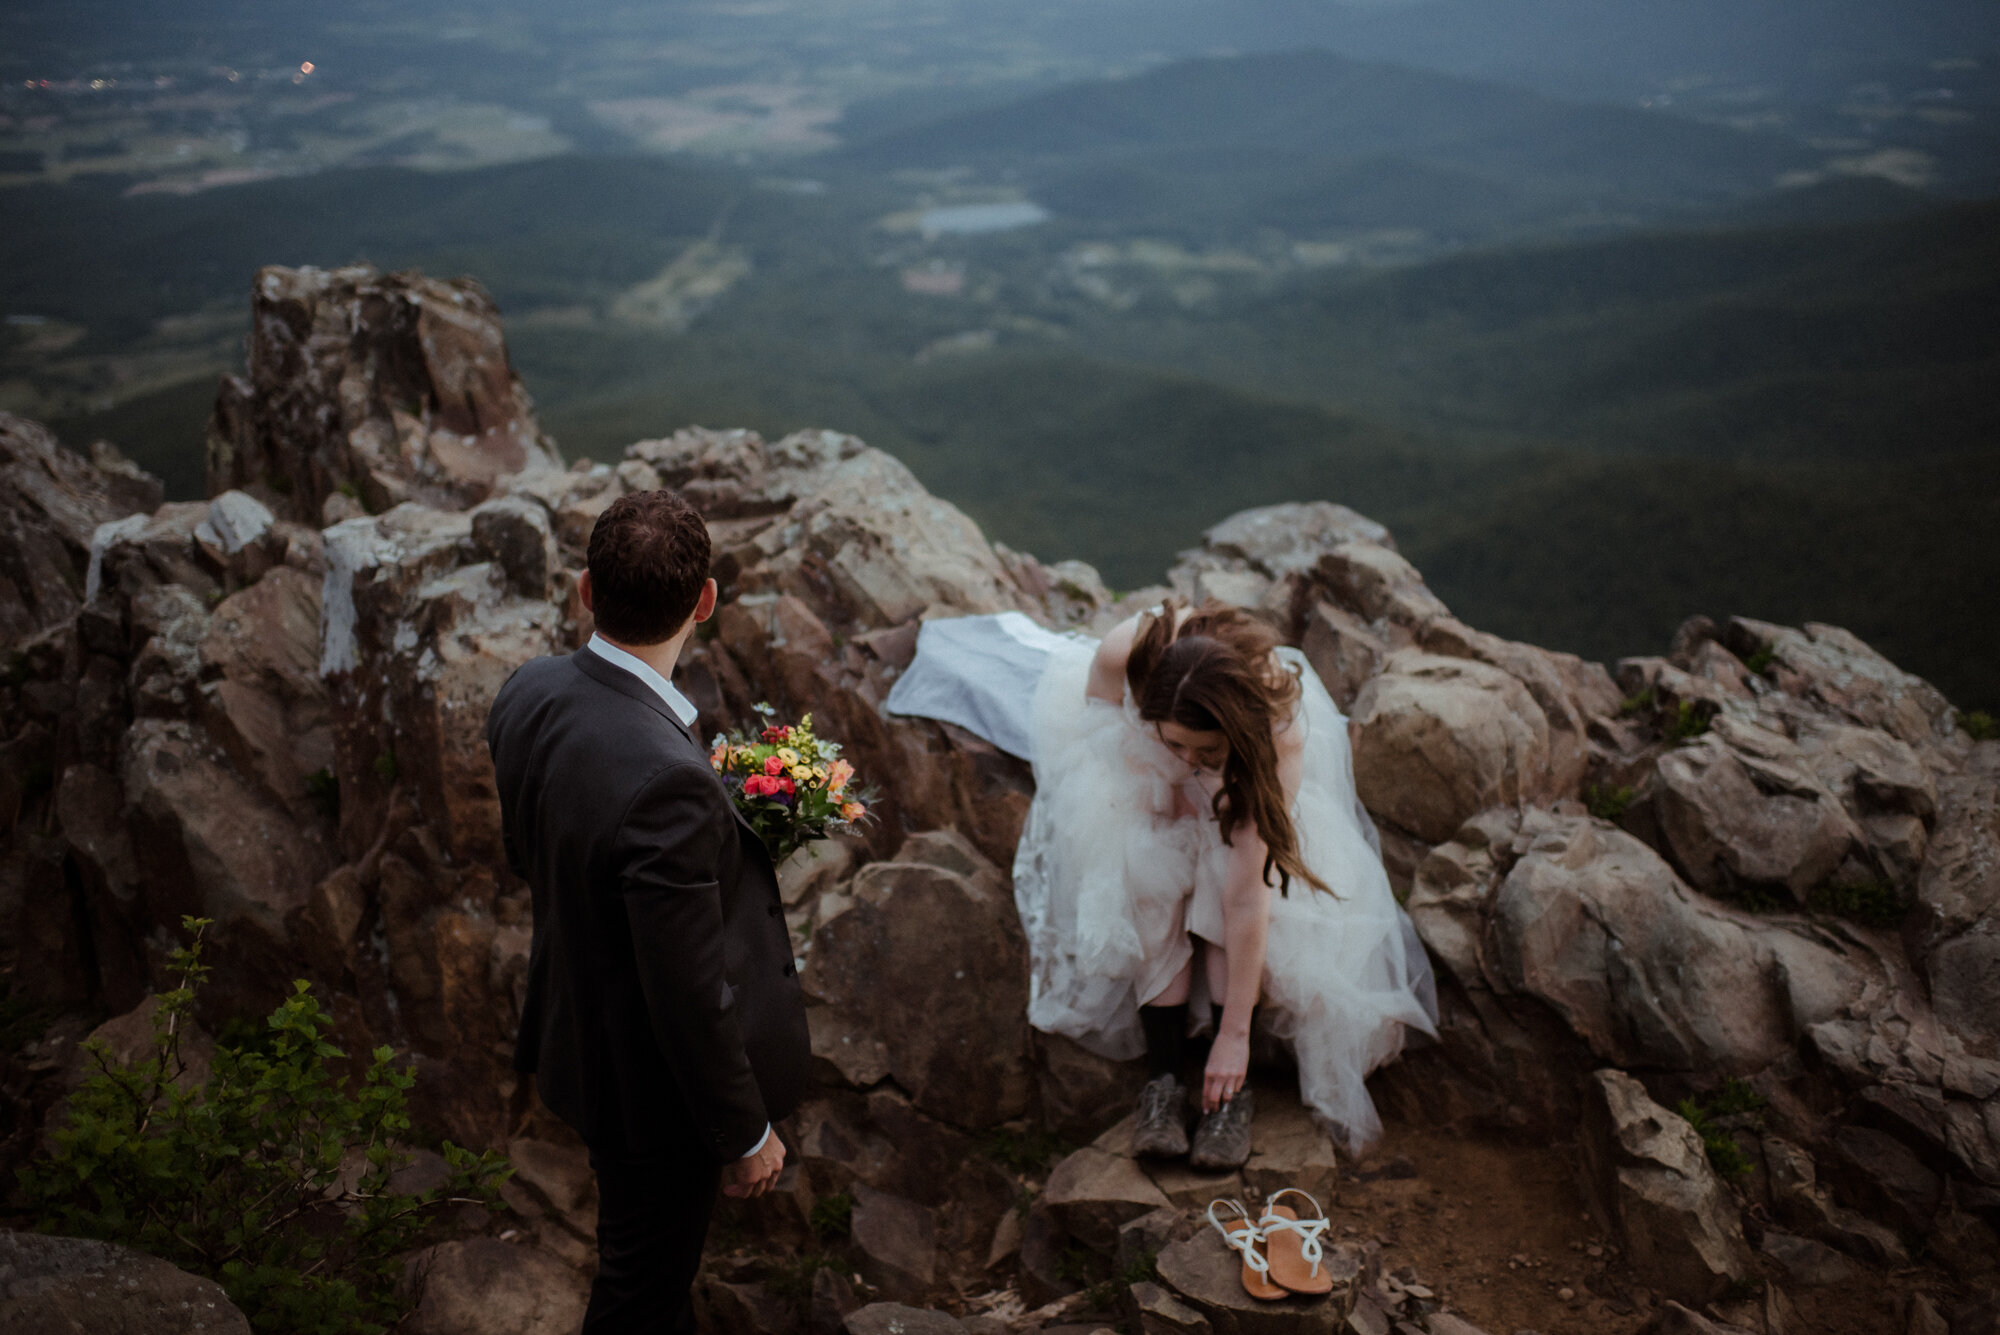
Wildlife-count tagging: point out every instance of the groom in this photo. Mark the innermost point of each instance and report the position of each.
(663, 1017)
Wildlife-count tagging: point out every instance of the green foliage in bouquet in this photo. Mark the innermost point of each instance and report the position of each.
(272, 1177)
(791, 786)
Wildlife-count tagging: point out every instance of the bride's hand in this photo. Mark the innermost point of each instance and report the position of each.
(1228, 1067)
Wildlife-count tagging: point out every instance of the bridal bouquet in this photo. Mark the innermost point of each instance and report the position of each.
(791, 786)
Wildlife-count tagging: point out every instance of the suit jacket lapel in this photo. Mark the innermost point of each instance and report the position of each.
(623, 682)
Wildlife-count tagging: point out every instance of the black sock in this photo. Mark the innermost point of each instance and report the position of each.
(1165, 1028)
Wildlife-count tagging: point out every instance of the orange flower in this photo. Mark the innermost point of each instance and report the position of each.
(852, 811)
(838, 775)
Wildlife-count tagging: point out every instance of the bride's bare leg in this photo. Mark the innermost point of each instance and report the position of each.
(1175, 993)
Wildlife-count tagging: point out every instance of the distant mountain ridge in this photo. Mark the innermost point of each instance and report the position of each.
(1309, 139)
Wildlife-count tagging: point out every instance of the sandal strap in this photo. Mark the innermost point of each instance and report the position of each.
(1308, 1230)
(1243, 1239)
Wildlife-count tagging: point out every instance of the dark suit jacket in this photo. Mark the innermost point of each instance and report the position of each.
(662, 1004)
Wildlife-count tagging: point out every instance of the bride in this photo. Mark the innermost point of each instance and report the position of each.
(1194, 851)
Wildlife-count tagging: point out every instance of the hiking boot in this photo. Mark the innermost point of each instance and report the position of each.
(1222, 1141)
(1162, 1127)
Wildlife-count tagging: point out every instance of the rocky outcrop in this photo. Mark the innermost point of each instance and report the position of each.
(268, 708)
(483, 1286)
(55, 1286)
(376, 388)
(1650, 1180)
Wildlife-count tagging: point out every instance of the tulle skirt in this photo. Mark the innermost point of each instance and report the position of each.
(1111, 887)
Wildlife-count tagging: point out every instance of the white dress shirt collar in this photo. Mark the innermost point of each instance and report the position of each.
(682, 707)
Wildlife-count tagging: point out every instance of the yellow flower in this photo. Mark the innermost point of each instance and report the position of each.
(788, 755)
(801, 775)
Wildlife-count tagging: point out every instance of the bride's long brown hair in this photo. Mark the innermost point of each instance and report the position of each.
(1215, 672)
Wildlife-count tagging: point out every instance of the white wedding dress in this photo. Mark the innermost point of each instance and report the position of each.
(1110, 884)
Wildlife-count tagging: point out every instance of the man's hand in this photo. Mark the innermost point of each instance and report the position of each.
(758, 1173)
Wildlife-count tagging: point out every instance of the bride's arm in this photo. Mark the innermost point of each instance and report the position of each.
(1246, 926)
(1107, 669)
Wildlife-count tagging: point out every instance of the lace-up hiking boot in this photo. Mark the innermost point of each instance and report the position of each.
(1162, 1128)
(1222, 1141)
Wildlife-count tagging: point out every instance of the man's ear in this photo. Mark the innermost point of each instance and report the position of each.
(704, 606)
(583, 590)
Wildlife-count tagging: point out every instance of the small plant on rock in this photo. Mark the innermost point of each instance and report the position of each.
(273, 1177)
(832, 1216)
(1872, 903)
(1981, 725)
(1760, 662)
(1606, 802)
(1734, 1098)
(1684, 723)
(1642, 703)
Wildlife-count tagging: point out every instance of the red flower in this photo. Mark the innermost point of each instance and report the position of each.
(774, 767)
(787, 787)
(757, 785)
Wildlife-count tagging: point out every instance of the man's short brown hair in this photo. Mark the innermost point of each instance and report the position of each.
(648, 559)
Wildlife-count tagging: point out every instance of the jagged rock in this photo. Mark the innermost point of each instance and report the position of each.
(1805, 1261)
(1832, 669)
(1342, 649)
(1587, 919)
(418, 639)
(1446, 1323)
(1957, 925)
(1081, 1092)
(395, 385)
(1802, 1203)
(742, 1309)
(816, 868)
(217, 846)
(514, 533)
(58, 1286)
(845, 1050)
(1092, 1192)
(52, 502)
(1208, 1276)
(832, 1301)
(1884, 786)
(1288, 1150)
(896, 1319)
(1650, 1179)
(897, 1239)
(560, 1175)
(1742, 809)
(1150, 1309)
(1677, 1320)
(482, 1286)
(1438, 739)
(1887, 1177)
(932, 961)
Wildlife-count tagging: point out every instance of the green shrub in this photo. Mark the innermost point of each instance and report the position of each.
(1685, 724)
(1023, 1152)
(272, 1177)
(1724, 1154)
(1872, 903)
(1981, 725)
(1607, 803)
(1760, 661)
(1642, 703)
(832, 1216)
(323, 790)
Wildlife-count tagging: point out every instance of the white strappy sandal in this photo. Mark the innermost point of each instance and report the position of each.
(1242, 1235)
(1292, 1247)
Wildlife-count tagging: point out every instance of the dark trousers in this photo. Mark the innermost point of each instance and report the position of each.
(652, 1218)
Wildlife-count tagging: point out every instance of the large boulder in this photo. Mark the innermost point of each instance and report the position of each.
(930, 961)
(1438, 739)
(1957, 925)
(1835, 672)
(1742, 810)
(52, 503)
(389, 387)
(65, 1286)
(1649, 1179)
(482, 1286)
(1588, 921)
